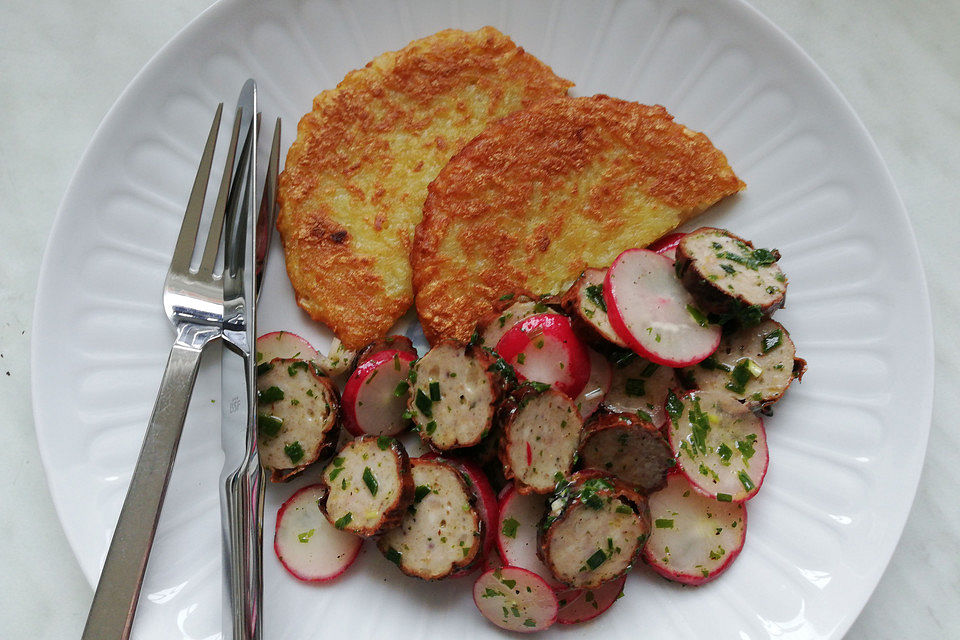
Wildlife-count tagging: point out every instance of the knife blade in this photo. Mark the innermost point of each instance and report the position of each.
(241, 491)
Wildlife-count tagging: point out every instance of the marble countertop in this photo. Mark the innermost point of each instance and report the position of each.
(64, 63)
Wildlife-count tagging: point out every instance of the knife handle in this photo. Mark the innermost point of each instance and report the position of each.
(115, 600)
(242, 500)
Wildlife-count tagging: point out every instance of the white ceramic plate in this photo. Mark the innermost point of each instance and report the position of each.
(846, 445)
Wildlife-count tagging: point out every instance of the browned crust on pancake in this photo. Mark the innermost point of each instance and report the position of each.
(589, 165)
(351, 192)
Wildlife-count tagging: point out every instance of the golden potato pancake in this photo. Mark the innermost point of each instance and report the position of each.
(549, 191)
(355, 179)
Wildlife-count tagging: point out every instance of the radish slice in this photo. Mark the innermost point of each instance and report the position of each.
(649, 308)
(580, 605)
(284, 344)
(544, 348)
(694, 538)
(597, 387)
(375, 395)
(720, 445)
(515, 599)
(308, 546)
(667, 245)
(517, 527)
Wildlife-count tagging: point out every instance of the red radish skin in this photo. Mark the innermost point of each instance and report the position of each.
(580, 605)
(694, 538)
(370, 403)
(310, 548)
(597, 387)
(649, 308)
(667, 245)
(284, 344)
(729, 460)
(519, 519)
(544, 348)
(515, 599)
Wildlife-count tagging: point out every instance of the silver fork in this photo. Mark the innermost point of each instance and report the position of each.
(193, 301)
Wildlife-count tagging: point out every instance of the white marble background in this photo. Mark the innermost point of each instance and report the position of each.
(63, 63)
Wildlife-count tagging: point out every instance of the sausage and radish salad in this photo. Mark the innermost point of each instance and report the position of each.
(572, 439)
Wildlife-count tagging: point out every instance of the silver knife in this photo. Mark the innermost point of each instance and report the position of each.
(241, 491)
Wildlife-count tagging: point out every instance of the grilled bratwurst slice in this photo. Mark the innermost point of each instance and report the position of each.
(755, 364)
(629, 448)
(441, 531)
(369, 486)
(453, 395)
(541, 432)
(594, 530)
(297, 411)
(727, 275)
(587, 309)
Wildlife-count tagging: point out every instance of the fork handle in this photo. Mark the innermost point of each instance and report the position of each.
(115, 600)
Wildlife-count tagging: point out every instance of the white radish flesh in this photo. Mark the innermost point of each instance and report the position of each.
(284, 344)
(580, 605)
(308, 546)
(544, 348)
(375, 395)
(515, 599)
(720, 445)
(649, 308)
(694, 538)
(598, 384)
(520, 517)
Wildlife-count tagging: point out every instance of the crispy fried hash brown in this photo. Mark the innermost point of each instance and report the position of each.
(355, 179)
(549, 191)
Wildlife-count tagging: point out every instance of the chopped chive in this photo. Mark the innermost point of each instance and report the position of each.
(370, 481)
(424, 404)
(294, 451)
(270, 395)
(269, 425)
(772, 340)
(420, 493)
(401, 389)
(393, 556)
(435, 391)
(697, 315)
(595, 295)
(597, 559)
(506, 296)
(663, 523)
(746, 481)
(510, 527)
(264, 367)
(724, 497)
(344, 521)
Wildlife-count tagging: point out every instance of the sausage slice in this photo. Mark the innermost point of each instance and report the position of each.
(587, 309)
(727, 275)
(369, 486)
(452, 395)
(297, 413)
(755, 364)
(538, 445)
(629, 448)
(594, 530)
(441, 531)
